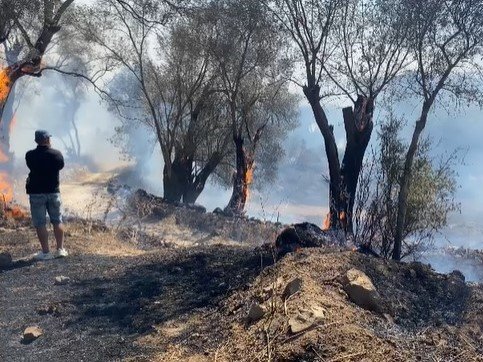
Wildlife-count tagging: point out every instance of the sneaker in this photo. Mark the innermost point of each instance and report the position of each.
(43, 256)
(61, 253)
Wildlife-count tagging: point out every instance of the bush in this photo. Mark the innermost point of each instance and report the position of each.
(431, 195)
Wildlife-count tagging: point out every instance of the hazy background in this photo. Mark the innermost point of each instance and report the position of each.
(300, 192)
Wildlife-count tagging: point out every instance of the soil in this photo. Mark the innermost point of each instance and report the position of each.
(136, 294)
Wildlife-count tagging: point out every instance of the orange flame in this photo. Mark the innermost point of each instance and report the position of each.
(5, 85)
(6, 188)
(6, 184)
(326, 224)
(248, 180)
(342, 218)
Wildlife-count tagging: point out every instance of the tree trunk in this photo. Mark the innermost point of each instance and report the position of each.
(6, 121)
(335, 202)
(197, 185)
(8, 77)
(402, 204)
(343, 178)
(241, 179)
(31, 65)
(358, 127)
(175, 178)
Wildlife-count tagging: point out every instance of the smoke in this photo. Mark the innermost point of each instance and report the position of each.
(42, 106)
(298, 194)
(444, 261)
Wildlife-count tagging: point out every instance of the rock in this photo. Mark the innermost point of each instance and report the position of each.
(306, 318)
(61, 280)
(292, 287)
(255, 312)
(303, 235)
(31, 334)
(5, 260)
(360, 290)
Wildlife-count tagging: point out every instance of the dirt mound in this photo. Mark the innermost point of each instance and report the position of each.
(424, 316)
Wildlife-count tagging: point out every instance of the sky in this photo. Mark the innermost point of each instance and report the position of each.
(300, 192)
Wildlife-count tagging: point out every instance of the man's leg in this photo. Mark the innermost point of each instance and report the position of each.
(54, 209)
(43, 236)
(38, 211)
(59, 235)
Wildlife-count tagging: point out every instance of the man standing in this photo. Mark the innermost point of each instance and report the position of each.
(43, 188)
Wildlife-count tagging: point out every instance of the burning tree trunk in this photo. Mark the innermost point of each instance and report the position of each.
(31, 64)
(343, 178)
(358, 127)
(6, 157)
(242, 179)
(336, 206)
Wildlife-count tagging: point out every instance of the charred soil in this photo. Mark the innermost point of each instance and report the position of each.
(145, 300)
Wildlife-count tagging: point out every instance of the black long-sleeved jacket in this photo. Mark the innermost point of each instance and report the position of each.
(44, 164)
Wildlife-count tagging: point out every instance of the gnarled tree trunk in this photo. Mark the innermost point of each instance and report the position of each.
(241, 181)
(358, 127)
(175, 178)
(343, 178)
(196, 185)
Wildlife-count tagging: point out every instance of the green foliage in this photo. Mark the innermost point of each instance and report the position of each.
(431, 194)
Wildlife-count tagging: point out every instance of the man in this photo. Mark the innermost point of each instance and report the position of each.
(43, 188)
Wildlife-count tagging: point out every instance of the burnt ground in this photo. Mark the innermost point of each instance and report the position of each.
(145, 300)
(111, 300)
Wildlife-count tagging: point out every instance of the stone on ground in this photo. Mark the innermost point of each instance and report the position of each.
(31, 334)
(255, 312)
(306, 319)
(292, 287)
(360, 290)
(61, 280)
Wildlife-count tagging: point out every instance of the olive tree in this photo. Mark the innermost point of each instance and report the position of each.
(430, 200)
(446, 39)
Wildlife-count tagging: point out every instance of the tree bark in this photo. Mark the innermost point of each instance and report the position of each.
(196, 186)
(312, 93)
(358, 127)
(244, 164)
(343, 178)
(31, 65)
(6, 122)
(175, 178)
(406, 183)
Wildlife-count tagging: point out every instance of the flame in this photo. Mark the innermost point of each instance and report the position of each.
(326, 224)
(342, 218)
(5, 85)
(6, 187)
(248, 180)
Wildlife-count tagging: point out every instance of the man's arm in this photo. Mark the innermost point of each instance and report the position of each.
(60, 160)
(28, 160)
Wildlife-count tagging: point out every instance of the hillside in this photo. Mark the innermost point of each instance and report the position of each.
(135, 296)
